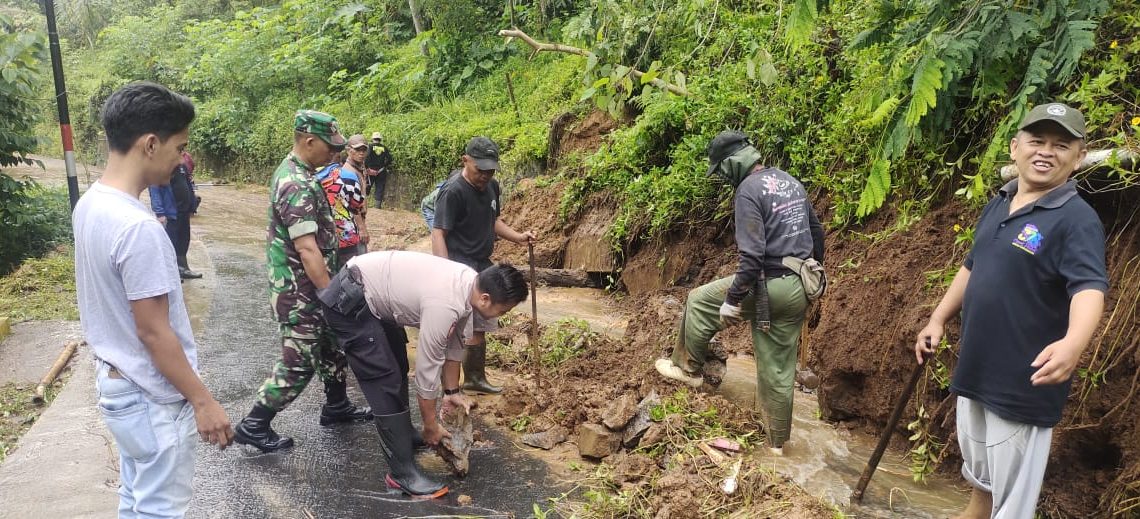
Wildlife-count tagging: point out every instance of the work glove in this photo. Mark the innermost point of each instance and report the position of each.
(729, 315)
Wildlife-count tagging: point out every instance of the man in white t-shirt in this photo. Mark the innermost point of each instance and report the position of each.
(131, 308)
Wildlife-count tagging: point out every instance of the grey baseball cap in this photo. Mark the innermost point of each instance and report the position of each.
(1069, 118)
(485, 152)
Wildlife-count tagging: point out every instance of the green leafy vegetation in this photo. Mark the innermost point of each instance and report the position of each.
(33, 220)
(18, 413)
(565, 340)
(42, 288)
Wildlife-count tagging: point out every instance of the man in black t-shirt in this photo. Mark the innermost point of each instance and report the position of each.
(1031, 294)
(378, 166)
(464, 230)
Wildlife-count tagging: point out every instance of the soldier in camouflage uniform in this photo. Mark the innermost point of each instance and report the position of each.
(301, 253)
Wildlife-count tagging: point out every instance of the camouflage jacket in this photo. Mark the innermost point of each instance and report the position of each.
(297, 207)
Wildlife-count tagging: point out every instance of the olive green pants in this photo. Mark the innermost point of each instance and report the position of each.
(775, 350)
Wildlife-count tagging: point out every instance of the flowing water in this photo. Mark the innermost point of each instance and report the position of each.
(827, 460)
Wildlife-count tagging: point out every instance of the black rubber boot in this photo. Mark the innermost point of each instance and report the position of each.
(184, 271)
(475, 371)
(254, 430)
(403, 472)
(338, 409)
(418, 442)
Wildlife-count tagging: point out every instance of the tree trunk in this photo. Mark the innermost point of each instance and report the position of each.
(564, 278)
(417, 21)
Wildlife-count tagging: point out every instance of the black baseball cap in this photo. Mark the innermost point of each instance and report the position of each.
(485, 153)
(1069, 118)
(723, 146)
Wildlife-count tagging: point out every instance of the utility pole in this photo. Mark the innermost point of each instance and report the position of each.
(61, 104)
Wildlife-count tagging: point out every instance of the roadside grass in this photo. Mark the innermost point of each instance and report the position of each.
(18, 413)
(41, 288)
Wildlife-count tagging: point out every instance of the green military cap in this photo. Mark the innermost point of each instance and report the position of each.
(1069, 118)
(320, 124)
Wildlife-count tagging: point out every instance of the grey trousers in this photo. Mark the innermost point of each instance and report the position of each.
(1002, 457)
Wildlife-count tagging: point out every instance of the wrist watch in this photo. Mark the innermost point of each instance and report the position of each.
(455, 391)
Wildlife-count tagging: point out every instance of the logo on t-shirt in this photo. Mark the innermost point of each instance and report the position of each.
(1029, 239)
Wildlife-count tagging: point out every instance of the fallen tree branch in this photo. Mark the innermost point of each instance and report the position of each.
(565, 278)
(558, 47)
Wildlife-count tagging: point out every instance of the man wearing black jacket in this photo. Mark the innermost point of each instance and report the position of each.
(774, 220)
(179, 228)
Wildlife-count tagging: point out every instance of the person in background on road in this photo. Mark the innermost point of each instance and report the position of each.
(162, 203)
(186, 203)
(427, 204)
(301, 253)
(188, 161)
(132, 311)
(378, 165)
(464, 230)
(774, 219)
(1031, 293)
(346, 198)
(438, 297)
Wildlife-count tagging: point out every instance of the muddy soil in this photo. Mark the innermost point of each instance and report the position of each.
(579, 392)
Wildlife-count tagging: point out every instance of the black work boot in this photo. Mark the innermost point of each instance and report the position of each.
(254, 430)
(475, 371)
(338, 409)
(418, 442)
(184, 271)
(403, 472)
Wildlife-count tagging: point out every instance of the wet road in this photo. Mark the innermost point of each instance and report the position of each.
(331, 472)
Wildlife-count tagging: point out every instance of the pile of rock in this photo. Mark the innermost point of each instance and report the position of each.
(625, 423)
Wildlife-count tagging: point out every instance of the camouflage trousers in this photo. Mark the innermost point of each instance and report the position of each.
(305, 350)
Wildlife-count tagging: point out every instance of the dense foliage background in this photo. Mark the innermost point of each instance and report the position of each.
(866, 100)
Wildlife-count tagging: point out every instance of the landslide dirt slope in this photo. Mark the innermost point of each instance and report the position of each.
(886, 277)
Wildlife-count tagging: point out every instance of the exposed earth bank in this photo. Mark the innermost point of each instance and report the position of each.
(886, 275)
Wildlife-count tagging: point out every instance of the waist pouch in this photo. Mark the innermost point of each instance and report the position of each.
(811, 275)
(345, 293)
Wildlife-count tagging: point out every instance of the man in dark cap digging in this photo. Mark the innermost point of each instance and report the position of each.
(776, 230)
(464, 230)
(301, 254)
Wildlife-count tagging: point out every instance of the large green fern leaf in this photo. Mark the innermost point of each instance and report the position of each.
(924, 89)
(876, 188)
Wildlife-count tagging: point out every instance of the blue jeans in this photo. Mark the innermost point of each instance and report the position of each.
(156, 447)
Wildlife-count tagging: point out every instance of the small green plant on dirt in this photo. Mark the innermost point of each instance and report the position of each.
(604, 497)
(565, 340)
(939, 372)
(519, 424)
(939, 280)
(501, 354)
(963, 236)
(926, 450)
(18, 413)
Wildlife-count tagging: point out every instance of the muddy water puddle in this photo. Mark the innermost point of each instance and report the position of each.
(588, 304)
(826, 460)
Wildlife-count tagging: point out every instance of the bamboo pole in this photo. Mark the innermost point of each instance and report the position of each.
(60, 363)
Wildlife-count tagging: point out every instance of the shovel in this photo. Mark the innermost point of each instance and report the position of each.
(888, 430)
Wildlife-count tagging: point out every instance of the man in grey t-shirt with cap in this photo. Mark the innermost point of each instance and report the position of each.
(465, 227)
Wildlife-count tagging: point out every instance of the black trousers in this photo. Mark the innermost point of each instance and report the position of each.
(377, 353)
(178, 229)
(377, 185)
